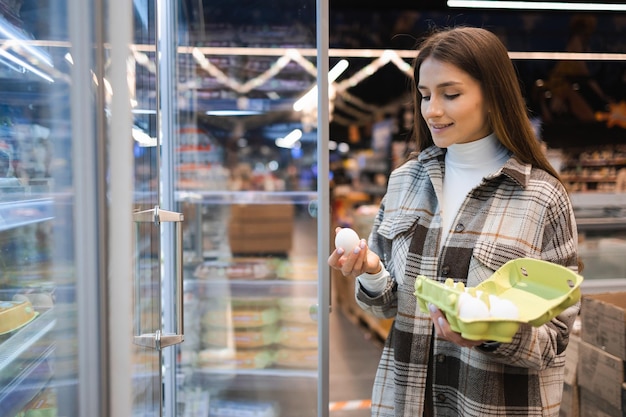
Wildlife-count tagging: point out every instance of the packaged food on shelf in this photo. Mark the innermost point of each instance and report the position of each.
(298, 336)
(297, 358)
(300, 310)
(248, 408)
(43, 405)
(220, 359)
(237, 268)
(242, 338)
(15, 314)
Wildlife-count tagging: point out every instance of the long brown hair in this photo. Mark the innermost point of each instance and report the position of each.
(484, 57)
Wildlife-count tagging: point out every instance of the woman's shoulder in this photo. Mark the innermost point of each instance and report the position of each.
(542, 176)
(527, 174)
(408, 171)
(547, 187)
(414, 162)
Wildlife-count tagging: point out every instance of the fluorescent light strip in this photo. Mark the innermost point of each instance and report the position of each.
(15, 68)
(307, 100)
(402, 53)
(361, 53)
(21, 41)
(290, 140)
(26, 65)
(568, 56)
(539, 5)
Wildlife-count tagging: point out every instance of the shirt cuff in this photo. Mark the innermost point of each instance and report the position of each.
(374, 284)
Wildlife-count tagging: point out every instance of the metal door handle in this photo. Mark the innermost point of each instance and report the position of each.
(159, 340)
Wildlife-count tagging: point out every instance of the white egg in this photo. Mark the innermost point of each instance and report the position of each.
(463, 297)
(493, 299)
(347, 239)
(473, 308)
(504, 309)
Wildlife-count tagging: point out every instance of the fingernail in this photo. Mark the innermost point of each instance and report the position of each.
(340, 251)
(432, 307)
(357, 249)
(441, 321)
(362, 244)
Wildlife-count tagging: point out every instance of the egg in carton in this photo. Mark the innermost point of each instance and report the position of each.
(523, 290)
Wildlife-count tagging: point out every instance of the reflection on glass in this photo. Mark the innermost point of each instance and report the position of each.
(245, 178)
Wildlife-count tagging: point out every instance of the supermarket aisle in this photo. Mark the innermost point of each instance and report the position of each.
(354, 354)
(354, 351)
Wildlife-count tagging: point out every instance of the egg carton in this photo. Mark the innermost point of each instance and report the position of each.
(539, 289)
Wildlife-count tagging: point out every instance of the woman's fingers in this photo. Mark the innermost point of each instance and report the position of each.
(435, 315)
(355, 260)
(334, 258)
(444, 331)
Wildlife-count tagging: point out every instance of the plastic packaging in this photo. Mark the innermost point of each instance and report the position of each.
(541, 290)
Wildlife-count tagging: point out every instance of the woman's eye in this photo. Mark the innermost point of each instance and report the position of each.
(452, 96)
(425, 98)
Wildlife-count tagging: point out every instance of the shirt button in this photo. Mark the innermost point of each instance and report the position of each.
(445, 270)
(441, 358)
(459, 227)
(441, 397)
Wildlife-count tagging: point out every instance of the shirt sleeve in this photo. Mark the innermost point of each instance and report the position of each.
(374, 284)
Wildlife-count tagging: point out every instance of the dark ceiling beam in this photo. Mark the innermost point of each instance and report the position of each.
(388, 4)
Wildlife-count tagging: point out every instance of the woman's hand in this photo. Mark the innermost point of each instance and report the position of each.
(355, 262)
(443, 330)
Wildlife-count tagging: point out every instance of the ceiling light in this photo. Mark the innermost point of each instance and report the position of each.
(25, 65)
(233, 112)
(142, 138)
(307, 100)
(290, 140)
(538, 5)
(16, 38)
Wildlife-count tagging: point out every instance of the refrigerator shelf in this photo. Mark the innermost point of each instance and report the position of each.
(24, 340)
(252, 288)
(257, 373)
(246, 197)
(24, 212)
(15, 394)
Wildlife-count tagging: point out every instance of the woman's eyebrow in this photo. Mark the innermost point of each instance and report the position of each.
(442, 85)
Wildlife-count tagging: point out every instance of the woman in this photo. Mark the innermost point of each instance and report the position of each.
(479, 193)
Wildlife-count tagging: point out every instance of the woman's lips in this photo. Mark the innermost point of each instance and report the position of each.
(439, 126)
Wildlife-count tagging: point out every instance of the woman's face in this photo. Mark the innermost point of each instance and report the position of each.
(452, 104)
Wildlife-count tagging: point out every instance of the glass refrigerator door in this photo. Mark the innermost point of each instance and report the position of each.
(39, 337)
(248, 155)
(55, 190)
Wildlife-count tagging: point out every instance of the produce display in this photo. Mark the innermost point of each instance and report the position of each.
(523, 290)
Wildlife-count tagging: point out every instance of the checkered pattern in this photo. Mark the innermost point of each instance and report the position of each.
(518, 211)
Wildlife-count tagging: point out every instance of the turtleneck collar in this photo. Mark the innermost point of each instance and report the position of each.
(476, 153)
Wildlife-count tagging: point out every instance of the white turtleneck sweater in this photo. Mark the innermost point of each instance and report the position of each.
(466, 165)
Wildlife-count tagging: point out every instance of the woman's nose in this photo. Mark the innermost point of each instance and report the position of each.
(433, 108)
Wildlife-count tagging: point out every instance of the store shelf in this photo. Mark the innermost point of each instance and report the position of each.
(25, 212)
(599, 211)
(246, 197)
(255, 288)
(598, 224)
(261, 374)
(26, 355)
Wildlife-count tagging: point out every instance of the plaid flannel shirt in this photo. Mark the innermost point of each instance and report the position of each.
(519, 211)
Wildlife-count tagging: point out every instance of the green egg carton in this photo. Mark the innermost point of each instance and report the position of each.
(541, 290)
